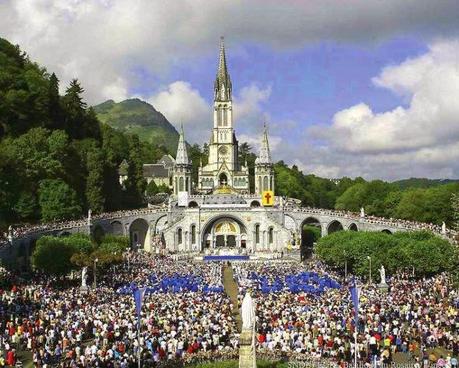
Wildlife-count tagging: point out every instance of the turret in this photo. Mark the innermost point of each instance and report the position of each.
(264, 168)
(182, 168)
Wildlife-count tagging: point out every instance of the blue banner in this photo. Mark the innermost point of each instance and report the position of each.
(355, 294)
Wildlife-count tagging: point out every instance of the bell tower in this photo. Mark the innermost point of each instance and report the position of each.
(223, 168)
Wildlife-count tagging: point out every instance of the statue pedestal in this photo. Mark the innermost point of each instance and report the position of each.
(383, 287)
(84, 289)
(247, 357)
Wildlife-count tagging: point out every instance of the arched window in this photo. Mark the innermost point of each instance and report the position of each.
(225, 116)
(260, 188)
(265, 183)
(181, 184)
(271, 184)
(179, 236)
(193, 234)
(257, 234)
(271, 235)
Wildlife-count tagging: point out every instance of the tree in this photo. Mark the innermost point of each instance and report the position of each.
(422, 251)
(74, 108)
(455, 207)
(152, 188)
(135, 183)
(109, 251)
(26, 206)
(54, 104)
(57, 200)
(81, 243)
(52, 256)
(95, 180)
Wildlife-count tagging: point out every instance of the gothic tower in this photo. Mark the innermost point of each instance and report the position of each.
(182, 168)
(264, 168)
(223, 168)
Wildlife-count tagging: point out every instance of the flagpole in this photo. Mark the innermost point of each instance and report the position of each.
(138, 343)
(355, 300)
(355, 348)
(138, 298)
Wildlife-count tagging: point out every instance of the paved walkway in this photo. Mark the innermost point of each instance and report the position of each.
(231, 290)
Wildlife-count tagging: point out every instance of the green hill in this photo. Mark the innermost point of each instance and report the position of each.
(422, 182)
(138, 117)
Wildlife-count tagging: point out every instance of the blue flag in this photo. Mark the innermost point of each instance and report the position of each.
(138, 298)
(355, 294)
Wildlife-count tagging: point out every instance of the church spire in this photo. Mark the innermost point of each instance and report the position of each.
(182, 155)
(222, 86)
(265, 154)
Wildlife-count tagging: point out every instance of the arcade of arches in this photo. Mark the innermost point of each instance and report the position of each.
(311, 231)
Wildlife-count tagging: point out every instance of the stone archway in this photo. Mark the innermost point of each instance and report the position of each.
(117, 228)
(98, 233)
(334, 226)
(311, 231)
(387, 231)
(139, 234)
(353, 227)
(224, 232)
(161, 224)
(223, 179)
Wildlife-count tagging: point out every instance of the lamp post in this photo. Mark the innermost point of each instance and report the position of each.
(89, 222)
(114, 266)
(345, 266)
(369, 258)
(94, 283)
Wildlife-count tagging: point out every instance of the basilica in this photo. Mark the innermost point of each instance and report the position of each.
(220, 213)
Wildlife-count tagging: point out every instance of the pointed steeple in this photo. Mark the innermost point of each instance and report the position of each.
(222, 85)
(265, 154)
(182, 154)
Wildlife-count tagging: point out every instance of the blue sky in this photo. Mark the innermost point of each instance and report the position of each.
(308, 84)
(348, 88)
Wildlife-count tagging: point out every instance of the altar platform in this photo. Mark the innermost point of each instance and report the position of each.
(223, 258)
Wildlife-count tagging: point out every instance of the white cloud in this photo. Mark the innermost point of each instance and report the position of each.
(182, 104)
(248, 105)
(420, 139)
(102, 41)
(255, 142)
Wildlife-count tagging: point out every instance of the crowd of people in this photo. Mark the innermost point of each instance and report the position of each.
(64, 325)
(413, 317)
(275, 277)
(303, 312)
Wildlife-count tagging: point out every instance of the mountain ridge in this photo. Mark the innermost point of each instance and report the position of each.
(136, 116)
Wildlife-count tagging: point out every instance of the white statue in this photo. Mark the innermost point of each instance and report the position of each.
(443, 228)
(248, 312)
(84, 275)
(362, 212)
(382, 273)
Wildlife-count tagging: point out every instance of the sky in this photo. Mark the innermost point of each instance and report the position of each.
(347, 88)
